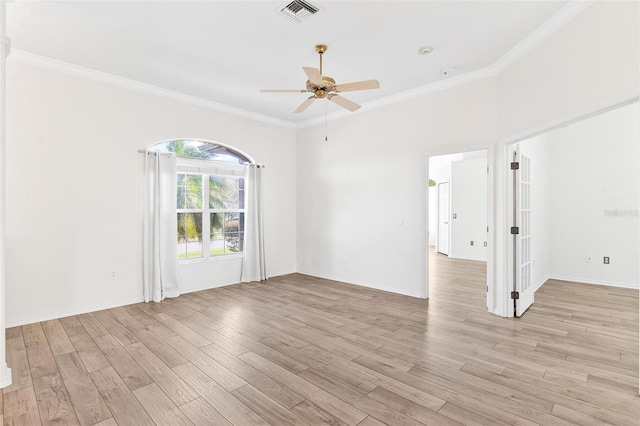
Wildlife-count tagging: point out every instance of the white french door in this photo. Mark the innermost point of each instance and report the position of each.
(522, 293)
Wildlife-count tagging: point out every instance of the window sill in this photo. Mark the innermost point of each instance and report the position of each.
(210, 259)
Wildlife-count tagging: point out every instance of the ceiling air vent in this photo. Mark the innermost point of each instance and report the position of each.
(299, 10)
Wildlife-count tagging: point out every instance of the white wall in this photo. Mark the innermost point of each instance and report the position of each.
(594, 172)
(361, 195)
(74, 189)
(536, 149)
(468, 189)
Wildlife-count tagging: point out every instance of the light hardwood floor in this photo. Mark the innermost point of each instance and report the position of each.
(300, 350)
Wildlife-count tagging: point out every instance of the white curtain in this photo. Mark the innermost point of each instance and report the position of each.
(160, 276)
(254, 266)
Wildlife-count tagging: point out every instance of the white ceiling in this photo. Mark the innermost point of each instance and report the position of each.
(226, 51)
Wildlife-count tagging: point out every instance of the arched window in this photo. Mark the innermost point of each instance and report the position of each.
(210, 202)
(203, 150)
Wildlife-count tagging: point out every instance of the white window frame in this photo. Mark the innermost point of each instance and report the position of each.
(207, 168)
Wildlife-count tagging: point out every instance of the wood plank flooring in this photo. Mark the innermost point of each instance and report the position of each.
(298, 350)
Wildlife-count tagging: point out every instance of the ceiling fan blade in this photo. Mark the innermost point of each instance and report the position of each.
(343, 102)
(358, 85)
(283, 90)
(303, 106)
(314, 76)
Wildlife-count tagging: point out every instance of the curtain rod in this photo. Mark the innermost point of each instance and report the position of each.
(142, 151)
(258, 165)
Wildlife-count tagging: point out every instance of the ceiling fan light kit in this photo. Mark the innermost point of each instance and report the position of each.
(325, 87)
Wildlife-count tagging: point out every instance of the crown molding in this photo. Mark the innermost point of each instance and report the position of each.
(548, 28)
(103, 77)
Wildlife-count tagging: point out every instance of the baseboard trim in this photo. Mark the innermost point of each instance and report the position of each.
(541, 283)
(210, 287)
(595, 282)
(17, 323)
(416, 294)
(475, 259)
(25, 321)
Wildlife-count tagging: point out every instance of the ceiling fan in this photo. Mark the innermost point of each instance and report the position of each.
(325, 87)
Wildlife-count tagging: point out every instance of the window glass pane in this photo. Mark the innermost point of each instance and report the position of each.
(192, 148)
(224, 192)
(227, 233)
(189, 235)
(216, 234)
(233, 225)
(231, 228)
(189, 191)
(241, 193)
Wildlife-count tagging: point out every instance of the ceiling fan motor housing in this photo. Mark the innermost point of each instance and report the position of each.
(321, 92)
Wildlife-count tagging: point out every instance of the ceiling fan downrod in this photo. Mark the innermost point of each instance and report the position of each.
(321, 48)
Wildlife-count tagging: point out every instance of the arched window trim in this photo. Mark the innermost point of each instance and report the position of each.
(233, 149)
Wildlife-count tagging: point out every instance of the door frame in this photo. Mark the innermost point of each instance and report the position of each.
(492, 300)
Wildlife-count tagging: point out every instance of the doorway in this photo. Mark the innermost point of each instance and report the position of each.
(592, 203)
(458, 225)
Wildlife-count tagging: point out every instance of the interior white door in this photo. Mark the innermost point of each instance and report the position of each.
(443, 218)
(521, 233)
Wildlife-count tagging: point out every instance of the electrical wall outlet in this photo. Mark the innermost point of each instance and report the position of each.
(588, 258)
(471, 242)
(113, 275)
(485, 243)
(606, 260)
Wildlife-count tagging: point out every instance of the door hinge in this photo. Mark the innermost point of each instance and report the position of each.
(515, 165)
(515, 230)
(487, 289)
(515, 295)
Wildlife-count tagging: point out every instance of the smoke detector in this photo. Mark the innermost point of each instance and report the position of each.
(298, 10)
(425, 50)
